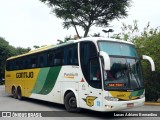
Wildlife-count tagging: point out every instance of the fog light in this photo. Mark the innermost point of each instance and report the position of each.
(111, 98)
(108, 106)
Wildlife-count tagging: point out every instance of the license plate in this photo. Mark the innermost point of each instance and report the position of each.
(129, 105)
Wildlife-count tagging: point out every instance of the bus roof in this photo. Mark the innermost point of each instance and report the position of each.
(94, 39)
(104, 38)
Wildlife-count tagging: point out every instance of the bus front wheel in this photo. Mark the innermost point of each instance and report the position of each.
(70, 102)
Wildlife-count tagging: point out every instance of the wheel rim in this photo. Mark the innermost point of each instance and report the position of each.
(14, 91)
(72, 102)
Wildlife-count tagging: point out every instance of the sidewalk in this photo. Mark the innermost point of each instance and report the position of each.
(152, 103)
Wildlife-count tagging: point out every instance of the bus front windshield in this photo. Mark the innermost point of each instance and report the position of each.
(125, 72)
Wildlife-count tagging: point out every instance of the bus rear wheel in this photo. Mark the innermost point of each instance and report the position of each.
(14, 93)
(19, 93)
(70, 103)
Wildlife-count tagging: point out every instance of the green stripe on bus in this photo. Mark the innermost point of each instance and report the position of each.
(137, 93)
(140, 92)
(40, 80)
(50, 80)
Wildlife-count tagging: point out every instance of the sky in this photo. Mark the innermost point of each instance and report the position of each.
(25, 23)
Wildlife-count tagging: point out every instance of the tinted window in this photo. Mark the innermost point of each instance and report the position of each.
(70, 55)
(42, 60)
(51, 58)
(58, 56)
(115, 48)
(67, 55)
(90, 64)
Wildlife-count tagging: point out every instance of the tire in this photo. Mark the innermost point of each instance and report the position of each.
(19, 94)
(14, 92)
(70, 103)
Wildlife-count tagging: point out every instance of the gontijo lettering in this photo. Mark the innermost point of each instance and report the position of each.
(24, 75)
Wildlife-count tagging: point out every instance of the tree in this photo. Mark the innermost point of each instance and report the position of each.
(96, 35)
(6, 51)
(67, 38)
(149, 44)
(36, 46)
(86, 13)
(128, 32)
(20, 50)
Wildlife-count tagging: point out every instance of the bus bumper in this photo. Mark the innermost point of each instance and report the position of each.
(121, 105)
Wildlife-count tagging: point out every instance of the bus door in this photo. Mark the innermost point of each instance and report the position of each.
(91, 84)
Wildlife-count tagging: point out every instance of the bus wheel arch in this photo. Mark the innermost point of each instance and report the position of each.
(14, 92)
(19, 93)
(71, 101)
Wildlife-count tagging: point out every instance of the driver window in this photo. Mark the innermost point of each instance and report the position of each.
(94, 70)
(90, 64)
(95, 74)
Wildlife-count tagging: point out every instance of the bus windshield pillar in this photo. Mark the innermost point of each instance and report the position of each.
(106, 60)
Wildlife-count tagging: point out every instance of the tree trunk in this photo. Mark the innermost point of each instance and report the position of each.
(75, 28)
(86, 31)
(76, 31)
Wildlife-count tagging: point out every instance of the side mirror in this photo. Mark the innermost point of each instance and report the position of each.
(145, 57)
(106, 60)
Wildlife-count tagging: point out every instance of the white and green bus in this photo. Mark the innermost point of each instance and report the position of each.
(96, 73)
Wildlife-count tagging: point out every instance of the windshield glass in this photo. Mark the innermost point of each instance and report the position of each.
(116, 48)
(125, 72)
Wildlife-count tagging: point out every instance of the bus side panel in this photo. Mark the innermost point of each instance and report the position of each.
(8, 82)
(47, 86)
(23, 78)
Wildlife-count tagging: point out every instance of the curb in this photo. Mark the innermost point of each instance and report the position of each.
(152, 103)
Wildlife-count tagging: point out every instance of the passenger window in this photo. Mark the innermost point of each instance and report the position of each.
(42, 60)
(51, 58)
(74, 59)
(21, 66)
(17, 65)
(33, 62)
(58, 57)
(71, 55)
(26, 63)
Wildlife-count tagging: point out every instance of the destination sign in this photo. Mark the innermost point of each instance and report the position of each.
(116, 84)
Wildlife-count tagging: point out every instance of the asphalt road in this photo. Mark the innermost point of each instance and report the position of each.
(58, 112)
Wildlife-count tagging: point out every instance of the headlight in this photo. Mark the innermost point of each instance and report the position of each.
(111, 98)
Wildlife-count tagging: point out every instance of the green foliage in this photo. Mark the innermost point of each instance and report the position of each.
(149, 44)
(86, 13)
(67, 38)
(20, 50)
(96, 35)
(128, 31)
(6, 51)
(36, 46)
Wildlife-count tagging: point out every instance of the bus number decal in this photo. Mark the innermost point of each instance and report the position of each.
(90, 100)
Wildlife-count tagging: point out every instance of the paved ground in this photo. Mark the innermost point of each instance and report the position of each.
(7, 103)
